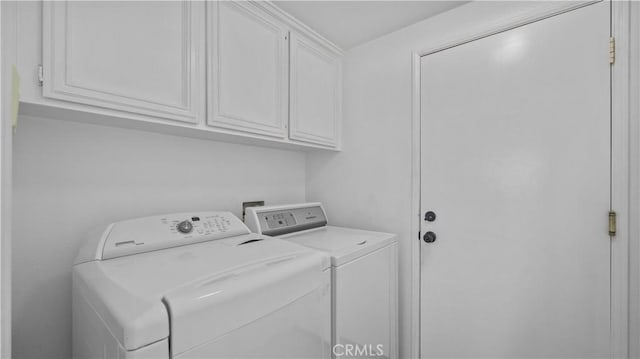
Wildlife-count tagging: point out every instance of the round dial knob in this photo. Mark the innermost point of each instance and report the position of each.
(185, 227)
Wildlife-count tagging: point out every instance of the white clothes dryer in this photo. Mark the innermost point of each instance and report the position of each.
(364, 275)
(198, 285)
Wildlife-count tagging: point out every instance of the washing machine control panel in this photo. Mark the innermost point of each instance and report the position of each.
(158, 232)
(278, 220)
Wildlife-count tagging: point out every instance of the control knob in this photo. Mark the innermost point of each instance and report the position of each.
(185, 226)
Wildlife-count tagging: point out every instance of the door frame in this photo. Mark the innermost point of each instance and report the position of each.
(620, 156)
(8, 33)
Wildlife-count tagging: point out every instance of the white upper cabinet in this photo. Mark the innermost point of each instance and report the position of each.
(243, 71)
(247, 69)
(315, 85)
(142, 57)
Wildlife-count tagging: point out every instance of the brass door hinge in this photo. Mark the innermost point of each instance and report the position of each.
(612, 50)
(612, 223)
(40, 75)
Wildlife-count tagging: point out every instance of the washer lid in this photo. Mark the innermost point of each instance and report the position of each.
(129, 292)
(212, 307)
(343, 244)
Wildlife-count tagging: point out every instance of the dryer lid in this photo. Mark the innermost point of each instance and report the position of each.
(343, 244)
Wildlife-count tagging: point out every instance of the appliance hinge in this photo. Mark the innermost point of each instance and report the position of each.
(40, 75)
(612, 223)
(612, 50)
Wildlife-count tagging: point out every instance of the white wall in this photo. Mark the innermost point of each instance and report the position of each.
(3, 137)
(634, 170)
(368, 184)
(68, 174)
(69, 177)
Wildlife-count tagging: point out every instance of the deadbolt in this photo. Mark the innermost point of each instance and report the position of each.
(430, 216)
(429, 237)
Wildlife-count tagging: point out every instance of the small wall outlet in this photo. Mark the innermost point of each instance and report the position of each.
(250, 204)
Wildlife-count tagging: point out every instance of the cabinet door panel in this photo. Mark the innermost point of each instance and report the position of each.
(315, 93)
(140, 57)
(248, 69)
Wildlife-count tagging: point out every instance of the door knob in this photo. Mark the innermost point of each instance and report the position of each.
(430, 216)
(429, 237)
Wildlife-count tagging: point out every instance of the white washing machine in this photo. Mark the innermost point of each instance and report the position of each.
(364, 275)
(198, 285)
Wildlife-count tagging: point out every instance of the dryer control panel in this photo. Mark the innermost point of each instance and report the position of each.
(159, 232)
(278, 220)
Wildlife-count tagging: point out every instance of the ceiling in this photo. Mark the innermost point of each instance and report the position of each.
(351, 23)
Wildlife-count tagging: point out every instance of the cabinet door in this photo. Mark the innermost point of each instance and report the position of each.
(247, 69)
(140, 57)
(315, 93)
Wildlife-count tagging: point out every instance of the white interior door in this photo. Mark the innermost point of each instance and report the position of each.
(515, 146)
